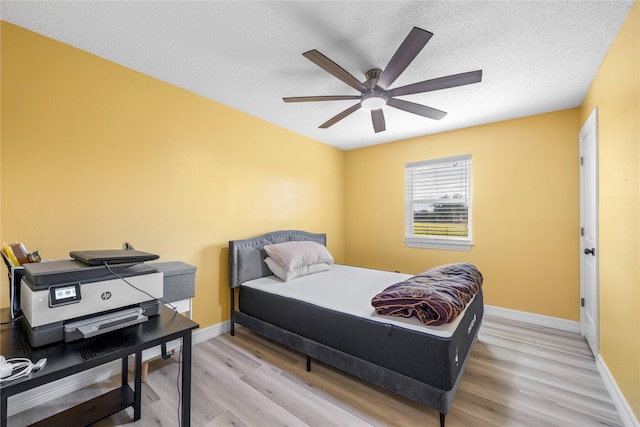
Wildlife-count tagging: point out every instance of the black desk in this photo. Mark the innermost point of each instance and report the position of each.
(64, 359)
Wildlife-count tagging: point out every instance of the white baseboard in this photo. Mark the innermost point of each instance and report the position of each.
(203, 334)
(626, 413)
(40, 395)
(535, 319)
(32, 398)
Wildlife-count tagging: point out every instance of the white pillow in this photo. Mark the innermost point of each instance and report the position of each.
(296, 254)
(287, 275)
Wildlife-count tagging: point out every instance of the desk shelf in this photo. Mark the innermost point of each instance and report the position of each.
(91, 411)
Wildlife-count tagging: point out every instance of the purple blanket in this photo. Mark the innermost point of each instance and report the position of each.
(434, 296)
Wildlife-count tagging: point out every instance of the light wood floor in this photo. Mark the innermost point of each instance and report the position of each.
(518, 375)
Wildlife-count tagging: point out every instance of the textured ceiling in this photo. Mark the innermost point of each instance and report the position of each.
(536, 56)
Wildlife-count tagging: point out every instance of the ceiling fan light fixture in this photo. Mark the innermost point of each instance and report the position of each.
(373, 101)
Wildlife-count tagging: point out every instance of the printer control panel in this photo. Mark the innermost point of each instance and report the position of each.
(68, 293)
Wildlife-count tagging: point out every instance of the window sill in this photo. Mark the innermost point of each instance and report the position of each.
(446, 244)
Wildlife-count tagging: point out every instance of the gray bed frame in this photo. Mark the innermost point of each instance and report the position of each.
(246, 262)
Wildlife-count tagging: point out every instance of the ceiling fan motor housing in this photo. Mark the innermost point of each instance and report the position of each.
(372, 78)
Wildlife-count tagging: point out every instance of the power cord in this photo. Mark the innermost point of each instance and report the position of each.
(138, 289)
(175, 311)
(11, 321)
(18, 367)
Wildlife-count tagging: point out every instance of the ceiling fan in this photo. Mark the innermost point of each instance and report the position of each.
(375, 92)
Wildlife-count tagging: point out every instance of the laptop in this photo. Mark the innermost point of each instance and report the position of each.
(112, 256)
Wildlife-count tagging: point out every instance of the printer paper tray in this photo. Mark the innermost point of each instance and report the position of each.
(102, 324)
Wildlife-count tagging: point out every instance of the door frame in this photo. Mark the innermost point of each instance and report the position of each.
(590, 125)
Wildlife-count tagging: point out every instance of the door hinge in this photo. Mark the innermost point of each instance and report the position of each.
(581, 302)
(582, 231)
(581, 160)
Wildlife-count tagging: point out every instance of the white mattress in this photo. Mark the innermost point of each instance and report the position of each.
(349, 290)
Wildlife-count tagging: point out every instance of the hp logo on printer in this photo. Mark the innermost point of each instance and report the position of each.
(105, 295)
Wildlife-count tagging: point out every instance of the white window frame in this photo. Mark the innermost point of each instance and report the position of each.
(436, 242)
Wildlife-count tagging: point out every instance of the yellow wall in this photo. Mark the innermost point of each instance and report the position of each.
(3, 299)
(616, 93)
(525, 185)
(76, 130)
(95, 154)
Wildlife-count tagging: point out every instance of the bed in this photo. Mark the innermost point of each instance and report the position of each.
(419, 362)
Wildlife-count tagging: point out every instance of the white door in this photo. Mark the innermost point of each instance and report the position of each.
(589, 231)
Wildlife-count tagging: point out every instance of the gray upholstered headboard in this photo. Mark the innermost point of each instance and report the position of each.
(246, 257)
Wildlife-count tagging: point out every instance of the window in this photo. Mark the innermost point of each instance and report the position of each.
(438, 203)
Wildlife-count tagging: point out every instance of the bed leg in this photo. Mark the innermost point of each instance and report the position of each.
(308, 363)
(232, 301)
(441, 419)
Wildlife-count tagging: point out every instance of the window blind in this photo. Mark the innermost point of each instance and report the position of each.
(438, 198)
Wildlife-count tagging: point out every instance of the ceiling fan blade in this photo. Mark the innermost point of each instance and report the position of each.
(331, 67)
(377, 117)
(320, 98)
(332, 121)
(438, 84)
(408, 50)
(412, 107)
